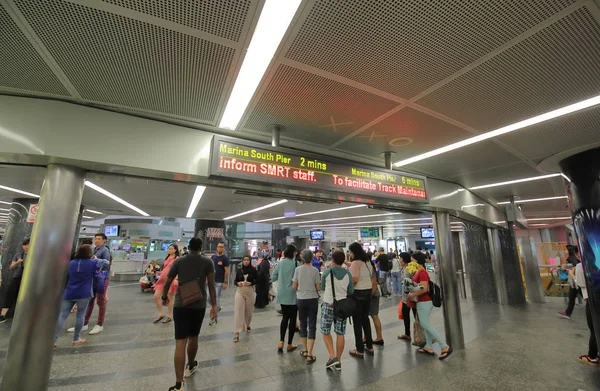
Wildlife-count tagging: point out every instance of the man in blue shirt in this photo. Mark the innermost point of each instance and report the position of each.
(221, 275)
(318, 260)
(100, 253)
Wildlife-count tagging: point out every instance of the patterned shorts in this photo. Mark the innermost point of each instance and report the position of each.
(327, 319)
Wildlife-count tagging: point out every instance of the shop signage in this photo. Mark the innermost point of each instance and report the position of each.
(136, 257)
(139, 232)
(254, 162)
(166, 234)
(32, 215)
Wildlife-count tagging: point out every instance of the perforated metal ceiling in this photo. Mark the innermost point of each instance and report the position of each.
(21, 67)
(222, 18)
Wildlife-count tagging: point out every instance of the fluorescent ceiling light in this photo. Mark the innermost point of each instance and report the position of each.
(94, 212)
(312, 213)
(18, 191)
(533, 200)
(114, 197)
(341, 218)
(87, 217)
(275, 17)
(534, 178)
(195, 200)
(6, 210)
(506, 129)
(566, 177)
(548, 218)
(369, 223)
(538, 225)
(256, 209)
(5, 203)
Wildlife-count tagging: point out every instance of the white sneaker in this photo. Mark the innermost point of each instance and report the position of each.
(189, 370)
(72, 329)
(97, 329)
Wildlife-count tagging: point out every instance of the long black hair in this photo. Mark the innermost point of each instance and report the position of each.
(176, 247)
(359, 252)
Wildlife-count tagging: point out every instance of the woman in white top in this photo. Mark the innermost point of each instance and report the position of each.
(364, 287)
(307, 284)
(396, 275)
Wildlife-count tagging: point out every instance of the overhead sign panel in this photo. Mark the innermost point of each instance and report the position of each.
(254, 162)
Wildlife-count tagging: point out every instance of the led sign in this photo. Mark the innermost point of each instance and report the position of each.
(255, 162)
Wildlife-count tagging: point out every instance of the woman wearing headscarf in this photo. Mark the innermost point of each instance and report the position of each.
(364, 278)
(245, 279)
(262, 282)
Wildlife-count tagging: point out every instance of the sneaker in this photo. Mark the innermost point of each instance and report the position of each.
(2, 319)
(338, 366)
(332, 363)
(190, 369)
(97, 329)
(72, 329)
(213, 321)
(587, 360)
(563, 315)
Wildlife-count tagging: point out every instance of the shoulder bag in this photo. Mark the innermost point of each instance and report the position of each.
(343, 308)
(190, 292)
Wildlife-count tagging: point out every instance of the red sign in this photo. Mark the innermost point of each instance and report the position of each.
(32, 215)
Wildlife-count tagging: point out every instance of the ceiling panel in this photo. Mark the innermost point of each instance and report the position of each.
(475, 157)
(222, 18)
(408, 133)
(404, 47)
(533, 189)
(117, 60)
(553, 68)
(504, 172)
(554, 207)
(306, 104)
(21, 67)
(562, 134)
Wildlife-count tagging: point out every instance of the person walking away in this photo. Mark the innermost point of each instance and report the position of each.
(100, 253)
(286, 297)
(245, 279)
(172, 255)
(78, 290)
(424, 308)
(14, 284)
(262, 283)
(342, 283)
(221, 275)
(407, 273)
(574, 289)
(592, 357)
(307, 284)
(194, 271)
(364, 287)
(396, 274)
(385, 266)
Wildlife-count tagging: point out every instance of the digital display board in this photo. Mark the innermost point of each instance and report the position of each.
(427, 233)
(369, 232)
(317, 234)
(255, 162)
(111, 230)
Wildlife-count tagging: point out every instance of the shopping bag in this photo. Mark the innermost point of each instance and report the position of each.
(400, 310)
(418, 333)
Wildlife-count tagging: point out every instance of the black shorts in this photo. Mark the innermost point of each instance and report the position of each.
(188, 321)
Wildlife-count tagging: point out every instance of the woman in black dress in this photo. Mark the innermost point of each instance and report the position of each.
(262, 283)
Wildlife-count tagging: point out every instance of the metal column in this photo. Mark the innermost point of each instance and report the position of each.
(33, 328)
(533, 280)
(498, 265)
(449, 282)
(275, 135)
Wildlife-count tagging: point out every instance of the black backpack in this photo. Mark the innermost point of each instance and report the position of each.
(435, 292)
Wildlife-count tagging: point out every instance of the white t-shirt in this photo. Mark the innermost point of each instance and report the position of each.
(396, 265)
(364, 271)
(341, 286)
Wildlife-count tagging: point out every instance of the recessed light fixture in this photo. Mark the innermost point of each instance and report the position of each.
(198, 193)
(275, 17)
(256, 209)
(5, 203)
(313, 213)
(114, 197)
(18, 191)
(94, 212)
(506, 129)
(549, 218)
(533, 200)
(369, 223)
(87, 217)
(534, 178)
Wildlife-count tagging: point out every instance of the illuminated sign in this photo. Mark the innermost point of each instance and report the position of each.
(255, 162)
(369, 232)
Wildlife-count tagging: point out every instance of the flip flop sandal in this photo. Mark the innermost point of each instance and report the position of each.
(304, 353)
(404, 337)
(248, 329)
(158, 319)
(426, 352)
(167, 319)
(356, 354)
(236, 339)
(310, 359)
(291, 348)
(445, 354)
(78, 342)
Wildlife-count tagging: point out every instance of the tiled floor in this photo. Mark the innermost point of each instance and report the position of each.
(525, 348)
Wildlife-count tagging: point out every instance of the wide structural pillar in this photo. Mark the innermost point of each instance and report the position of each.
(38, 306)
(449, 282)
(583, 190)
